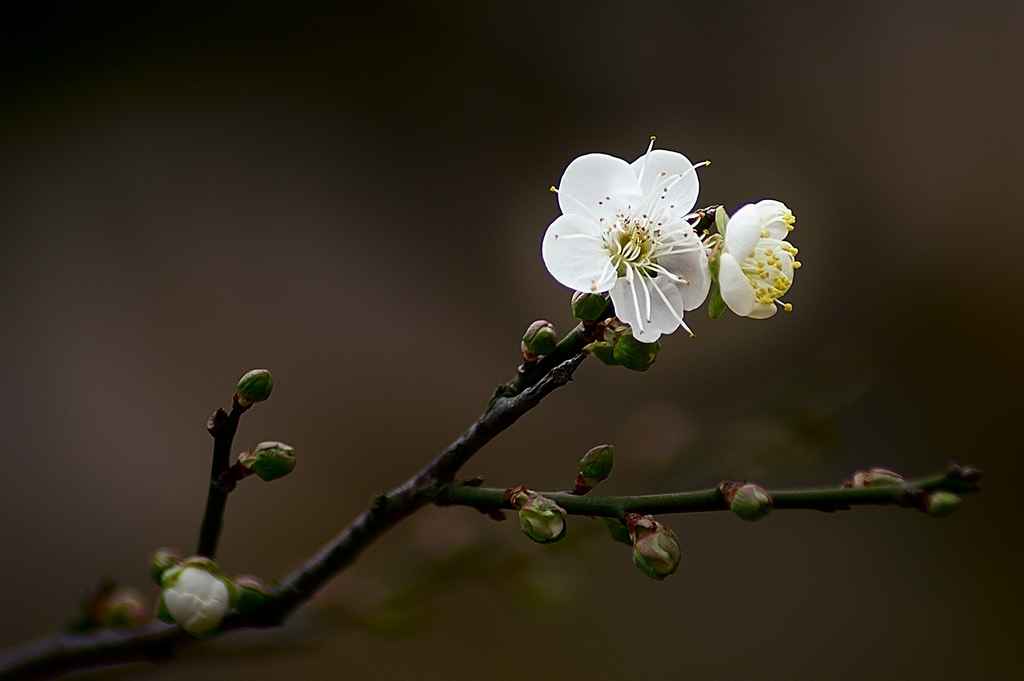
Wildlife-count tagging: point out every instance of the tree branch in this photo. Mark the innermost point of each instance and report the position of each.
(64, 652)
(222, 427)
(956, 479)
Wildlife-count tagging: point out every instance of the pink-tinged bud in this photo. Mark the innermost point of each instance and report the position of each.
(124, 607)
(252, 592)
(542, 520)
(750, 502)
(539, 340)
(656, 548)
(876, 477)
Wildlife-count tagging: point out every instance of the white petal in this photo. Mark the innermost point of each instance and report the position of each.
(763, 310)
(772, 214)
(626, 309)
(663, 188)
(736, 290)
(596, 186)
(665, 315)
(575, 256)
(743, 231)
(693, 267)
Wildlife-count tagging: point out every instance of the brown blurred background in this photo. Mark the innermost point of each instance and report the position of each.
(353, 195)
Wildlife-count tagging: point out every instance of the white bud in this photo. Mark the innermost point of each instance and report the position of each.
(197, 600)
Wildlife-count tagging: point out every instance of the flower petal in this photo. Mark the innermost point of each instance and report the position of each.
(667, 306)
(743, 231)
(736, 290)
(575, 255)
(662, 186)
(596, 186)
(763, 310)
(772, 214)
(629, 309)
(693, 267)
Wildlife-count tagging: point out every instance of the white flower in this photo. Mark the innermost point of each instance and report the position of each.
(197, 600)
(622, 230)
(756, 264)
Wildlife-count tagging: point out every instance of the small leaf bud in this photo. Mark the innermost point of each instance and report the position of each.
(269, 460)
(750, 502)
(162, 560)
(595, 466)
(542, 520)
(254, 387)
(589, 307)
(196, 598)
(655, 547)
(252, 592)
(876, 477)
(635, 355)
(941, 504)
(123, 607)
(539, 340)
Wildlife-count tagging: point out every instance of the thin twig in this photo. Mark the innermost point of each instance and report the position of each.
(222, 426)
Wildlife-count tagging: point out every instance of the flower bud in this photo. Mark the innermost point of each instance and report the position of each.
(255, 386)
(750, 502)
(540, 339)
(252, 592)
(269, 460)
(162, 560)
(542, 520)
(635, 355)
(655, 547)
(589, 307)
(195, 598)
(876, 477)
(941, 504)
(595, 466)
(122, 608)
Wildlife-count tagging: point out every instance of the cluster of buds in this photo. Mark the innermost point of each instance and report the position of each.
(595, 466)
(656, 548)
(618, 347)
(748, 501)
(540, 518)
(196, 595)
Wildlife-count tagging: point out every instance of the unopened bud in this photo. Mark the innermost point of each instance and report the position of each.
(123, 607)
(595, 466)
(589, 307)
(162, 560)
(876, 477)
(195, 597)
(269, 460)
(750, 502)
(655, 547)
(542, 520)
(539, 340)
(941, 504)
(634, 355)
(255, 386)
(252, 592)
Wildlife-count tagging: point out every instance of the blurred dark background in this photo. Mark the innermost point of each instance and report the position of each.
(354, 194)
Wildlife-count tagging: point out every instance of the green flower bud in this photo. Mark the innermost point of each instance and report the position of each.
(589, 307)
(750, 502)
(252, 592)
(162, 560)
(269, 460)
(604, 352)
(540, 339)
(255, 386)
(941, 504)
(876, 477)
(595, 466)
(123, 607)
(196, 598)
(634, 355)
(655, 547)
(542, 520)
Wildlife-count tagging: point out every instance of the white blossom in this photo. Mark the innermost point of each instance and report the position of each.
(623, 230)
(756, 264)
(197, 600)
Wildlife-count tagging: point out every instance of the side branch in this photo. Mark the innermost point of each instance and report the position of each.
(957, 479)
(223, 427)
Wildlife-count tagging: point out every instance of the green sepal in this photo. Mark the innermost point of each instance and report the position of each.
(604, 352)
(721, 219)
(162, 613)
(716, 304)
(635, 355)
(617, 530)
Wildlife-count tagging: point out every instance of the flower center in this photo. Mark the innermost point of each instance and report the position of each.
(633, 243)
(766, 268)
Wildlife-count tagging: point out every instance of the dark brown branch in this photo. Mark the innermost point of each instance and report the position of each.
(222, 427)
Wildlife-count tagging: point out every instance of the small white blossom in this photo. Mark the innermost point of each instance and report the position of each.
(623, 230)
(197, 600)
(756, 264)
